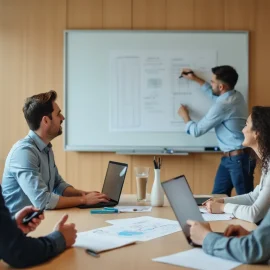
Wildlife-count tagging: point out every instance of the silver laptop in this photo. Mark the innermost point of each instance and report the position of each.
(183, 203)
(113, 185)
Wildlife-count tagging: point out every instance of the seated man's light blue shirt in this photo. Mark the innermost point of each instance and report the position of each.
(227, 115)
(31, 176)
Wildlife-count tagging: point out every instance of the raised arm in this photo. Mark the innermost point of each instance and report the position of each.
(205, 86)
(190, 75)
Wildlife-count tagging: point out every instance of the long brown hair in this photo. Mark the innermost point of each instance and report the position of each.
(261, 124)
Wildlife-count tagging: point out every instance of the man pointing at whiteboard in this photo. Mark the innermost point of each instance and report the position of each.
(227, 116)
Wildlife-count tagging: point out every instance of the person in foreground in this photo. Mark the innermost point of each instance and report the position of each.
(30, 175)
(253, 206)
(19, 250)
(227, 115)
(237, 243)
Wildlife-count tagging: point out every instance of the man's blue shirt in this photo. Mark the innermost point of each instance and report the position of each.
(227, 116)
(31, 176)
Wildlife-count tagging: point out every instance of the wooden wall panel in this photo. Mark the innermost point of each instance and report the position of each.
(209, 14)
(117, 14)
(260, 94)
(84, 170)
(32, 62)
(180, 15)
(205, 167)
(12, 32)
(84, 14)
(239, 14)
(31, 55)
(178, 165)
(149, 14)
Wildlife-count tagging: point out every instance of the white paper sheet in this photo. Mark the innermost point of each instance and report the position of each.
(133, 209)
(214, 217)
(140, 228)
(138, 232)
(143, 219)
(99, 243)
(202, 196)
(203, 261)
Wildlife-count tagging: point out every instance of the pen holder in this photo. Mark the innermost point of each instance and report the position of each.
(157, 193)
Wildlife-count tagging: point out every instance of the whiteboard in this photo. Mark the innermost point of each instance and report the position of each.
(122, 88)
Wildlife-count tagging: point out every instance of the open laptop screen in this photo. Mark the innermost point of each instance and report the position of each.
(182, 202)
(114, 180)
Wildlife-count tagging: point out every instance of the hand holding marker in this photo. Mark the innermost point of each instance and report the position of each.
(185, 73)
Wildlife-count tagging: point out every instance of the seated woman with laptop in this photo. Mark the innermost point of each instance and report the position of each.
(252, 206)
(242, 245)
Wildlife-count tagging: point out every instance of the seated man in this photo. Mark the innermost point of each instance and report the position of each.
(30, 174)
(18, 250)
(239, 245)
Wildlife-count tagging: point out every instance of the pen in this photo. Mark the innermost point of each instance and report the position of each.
(92, 253)
(185, 73)
(159, 162)
(155, 163)
(111, 209)
(104, 211)
(210, 199)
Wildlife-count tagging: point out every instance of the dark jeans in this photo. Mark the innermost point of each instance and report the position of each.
(236, 171)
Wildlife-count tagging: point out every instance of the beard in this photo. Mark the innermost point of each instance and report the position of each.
(215, 93)
(60, 131)
(55, 133)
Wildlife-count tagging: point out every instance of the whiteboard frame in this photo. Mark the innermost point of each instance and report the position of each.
(138, 150)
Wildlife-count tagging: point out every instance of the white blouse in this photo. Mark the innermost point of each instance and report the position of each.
(252, 206)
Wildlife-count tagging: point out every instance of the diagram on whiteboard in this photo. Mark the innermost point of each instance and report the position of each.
(146, 91)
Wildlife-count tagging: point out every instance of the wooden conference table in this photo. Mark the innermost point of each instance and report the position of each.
(138, 256)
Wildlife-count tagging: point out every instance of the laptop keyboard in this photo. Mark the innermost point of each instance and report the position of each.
(99, 205)
(106, 203)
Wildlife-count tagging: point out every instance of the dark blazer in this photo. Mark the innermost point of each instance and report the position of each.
(19, 250)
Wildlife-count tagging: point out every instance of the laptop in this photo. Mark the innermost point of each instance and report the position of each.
(183, 203)
(200, 200)
(113, 184)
